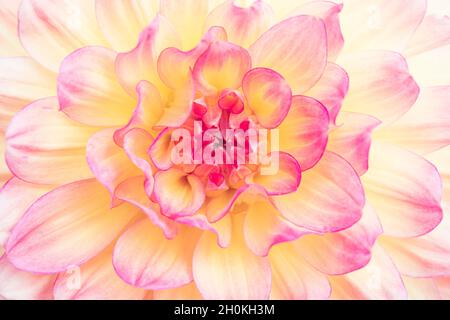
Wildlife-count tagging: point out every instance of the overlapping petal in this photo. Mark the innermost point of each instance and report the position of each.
(330, 199)
(404, 189)
(296, 48)
(42, 140)
(145, 258)
(88, 91)
(62, 221)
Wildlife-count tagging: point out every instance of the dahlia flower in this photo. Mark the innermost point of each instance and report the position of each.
(352, 100)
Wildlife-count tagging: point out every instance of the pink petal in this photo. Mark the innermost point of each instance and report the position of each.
(421, 289)
(329, 13)
(268, 96)
(381, 24)
(95, 280)
(222, 66)
(88, 91)
(20, 285)
(15, 198)
(441, 159)
(352, 139)
(50, 30)
(144, 258)
(47, 239)
(285, 181)
(122, 21)
(161, 150)
(22, 81)
(148, 112)
(222, 228)
(136, 144)
(109, 163)
(9, 39)
(330, 199)
(433, 32)
(141, 62)
(175, 66)
(296, 48)
(217, 207)
(380, 85)
(342, 252)
(133, 191)
(231, 273)
(44, 146)
(189, 292)
(379, 280)
(304, 132)
(188, 188)
(188, 17)
(5, 173)
(244, 25)
(294, 279)
(425, 256)
(404, 189)
(443, 285)
(424, 128)
(265, 228)
(331, 89)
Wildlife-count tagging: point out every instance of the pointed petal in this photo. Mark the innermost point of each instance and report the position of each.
(231, 273)
(50, 30)
(296, 48)
(331, 89)
(15, 198)
(188, 18)
(9, 38)
(88, 91)
(380, 85)
(441, 159)
(145, 258)
(425, 256)
(345, 251)
(95, 280)
(404, 189)
(381, 24)
(304, 132)
(424, 128)
(379, 280)
(20, 285)
(244, 25)
(47, 239)
(22, 81)
(331, 197)
(294, 279)
(329, 12)
(421, 289)
(44, 146)
(352, 139)
(122, 21)
(433, 32)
